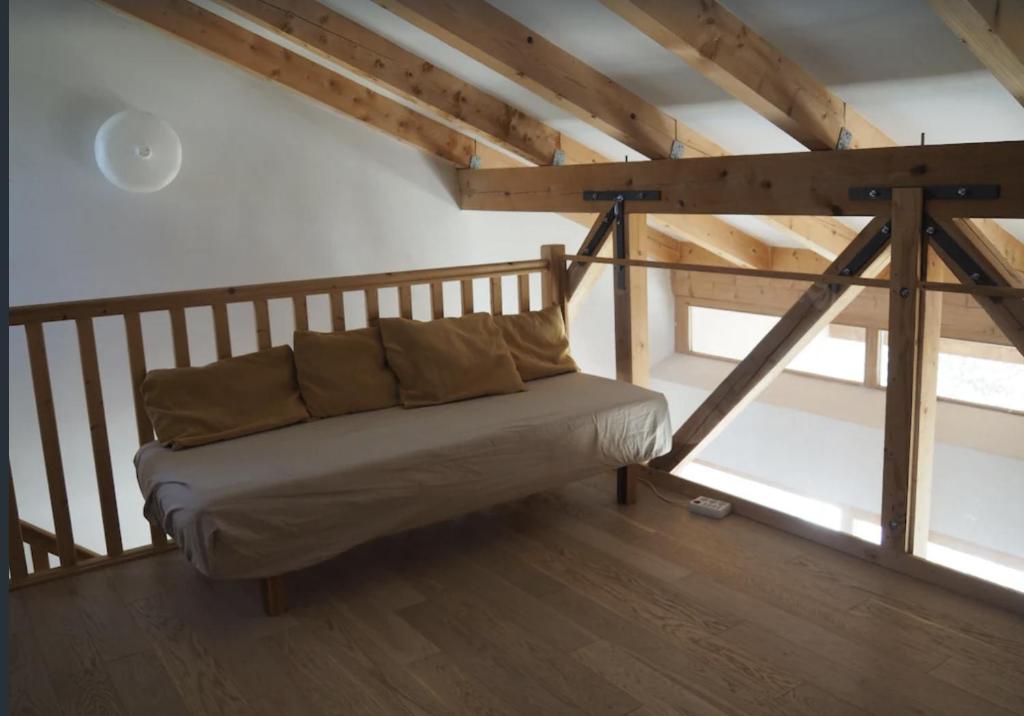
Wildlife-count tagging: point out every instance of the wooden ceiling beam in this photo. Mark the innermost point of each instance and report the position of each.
(994, 32)
(336, 38)
(493, 38)
(805, 183)
(718, 45)
(228, 41)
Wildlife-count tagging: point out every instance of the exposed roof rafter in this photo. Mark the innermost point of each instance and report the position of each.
(994, 32)
(718, 45)
(721, 47)
(336, 38)
(493, 38)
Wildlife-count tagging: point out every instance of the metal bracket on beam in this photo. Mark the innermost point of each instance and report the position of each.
(559, 158)
(952, 249)
(475, 161)
(865, 256)
(845, 140)
(618, 212)
(622, 195)
(956, 191)
(598, 237)
(676, 150)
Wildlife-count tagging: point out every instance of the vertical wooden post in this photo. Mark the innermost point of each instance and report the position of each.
(98, 436)
(626, 478)
(337, 311)
(902, 396)
(372, 307)
(221, 330)
(497, 300)
(275, 595)
(466, 290)
(15, 541)
(405, 301)
(300, 310)
(555, 287)
(179, 337)
(261, 314)
(871, 355)
(928, 339)
(682, 315)
(137, 366)
(632, 361)
(437, 300)
(523, 287)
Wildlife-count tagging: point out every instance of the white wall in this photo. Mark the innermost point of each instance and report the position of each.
(272, 187)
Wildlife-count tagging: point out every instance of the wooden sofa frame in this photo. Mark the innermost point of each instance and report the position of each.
(185, 309)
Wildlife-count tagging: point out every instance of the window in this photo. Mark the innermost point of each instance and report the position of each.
(835, 353)
(980, 373)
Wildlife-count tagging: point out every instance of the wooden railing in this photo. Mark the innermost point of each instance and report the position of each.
(72, 557)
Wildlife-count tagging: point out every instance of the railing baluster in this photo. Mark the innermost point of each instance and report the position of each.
(51, 442)
(301, 311)
(466, 289)
(496, 297)
(405, 301)
(179, 335)
(40, 558)
(372, 307)
(262, 314)
(338, 311)
(523, 283)
(437, 300)
(137, 366)
(15, 541)
(98, 435)
(221, 330)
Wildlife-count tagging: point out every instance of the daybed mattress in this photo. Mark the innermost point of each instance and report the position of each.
(271, 503)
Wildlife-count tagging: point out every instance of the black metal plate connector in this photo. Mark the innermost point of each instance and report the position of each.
(624, 195)
(951, 192)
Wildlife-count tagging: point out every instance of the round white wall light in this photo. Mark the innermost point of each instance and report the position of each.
(138, 151)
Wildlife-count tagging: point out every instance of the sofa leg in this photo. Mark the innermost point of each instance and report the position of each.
(275, 597)
(626, 479)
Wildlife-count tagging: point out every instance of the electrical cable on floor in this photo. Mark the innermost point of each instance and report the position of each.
(669, 500)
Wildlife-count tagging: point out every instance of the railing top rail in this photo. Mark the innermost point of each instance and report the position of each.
(91, 308)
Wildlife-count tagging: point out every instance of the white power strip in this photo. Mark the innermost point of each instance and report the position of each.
(710, 507)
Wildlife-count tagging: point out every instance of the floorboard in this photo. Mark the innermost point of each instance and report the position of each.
(562, 603)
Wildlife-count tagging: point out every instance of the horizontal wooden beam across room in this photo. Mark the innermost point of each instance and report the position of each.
(716, 43)
(811, 183)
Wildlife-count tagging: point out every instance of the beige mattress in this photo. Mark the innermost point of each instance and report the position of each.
(278, 501)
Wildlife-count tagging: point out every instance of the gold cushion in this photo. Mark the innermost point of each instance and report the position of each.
(227, 399)
(538, 343)
(344, 372)
(448, 359)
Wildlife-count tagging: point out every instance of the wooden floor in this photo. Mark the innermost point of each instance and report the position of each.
(563, 603)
